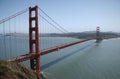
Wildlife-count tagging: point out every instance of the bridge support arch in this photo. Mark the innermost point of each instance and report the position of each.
(34, 38)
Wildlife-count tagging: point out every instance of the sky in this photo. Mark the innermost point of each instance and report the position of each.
(73, 15)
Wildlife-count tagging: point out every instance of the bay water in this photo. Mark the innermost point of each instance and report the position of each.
(88, 60)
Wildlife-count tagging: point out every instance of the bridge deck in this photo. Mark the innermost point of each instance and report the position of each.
(46, 51)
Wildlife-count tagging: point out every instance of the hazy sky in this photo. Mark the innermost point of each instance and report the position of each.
(73, 15)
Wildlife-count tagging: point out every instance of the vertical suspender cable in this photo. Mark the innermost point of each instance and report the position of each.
(53, 20)
(15, 42)
(10, 53)
(4, 40)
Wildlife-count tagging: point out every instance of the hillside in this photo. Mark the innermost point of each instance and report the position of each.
(11, 70)
(104, 35)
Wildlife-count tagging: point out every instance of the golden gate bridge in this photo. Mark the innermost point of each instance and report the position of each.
(36, 29)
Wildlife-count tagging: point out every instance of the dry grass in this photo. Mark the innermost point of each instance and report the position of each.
(12, 70)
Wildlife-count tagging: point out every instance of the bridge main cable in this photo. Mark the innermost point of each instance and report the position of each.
(14, 15)
(53, 20)
(51, 24)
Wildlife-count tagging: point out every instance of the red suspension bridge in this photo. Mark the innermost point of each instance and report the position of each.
(35, 51)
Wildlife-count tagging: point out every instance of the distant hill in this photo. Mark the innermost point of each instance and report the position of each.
(104, 35)
(15, 34)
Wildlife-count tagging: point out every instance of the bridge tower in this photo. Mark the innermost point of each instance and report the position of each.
(98, 37)
(34, 38)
